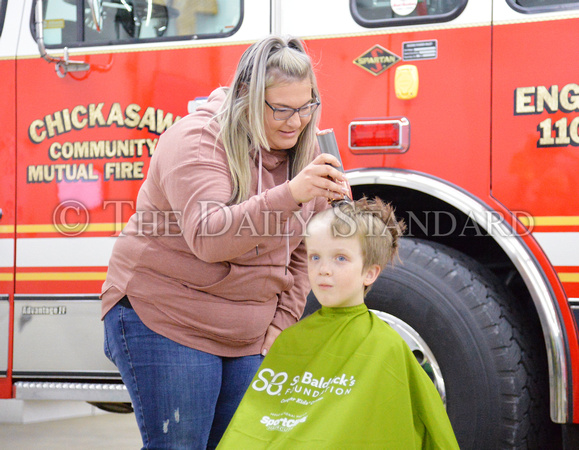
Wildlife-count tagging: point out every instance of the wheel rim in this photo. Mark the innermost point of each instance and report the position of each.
(419, 348)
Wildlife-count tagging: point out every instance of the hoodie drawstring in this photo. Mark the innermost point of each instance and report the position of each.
(259, 173)
(259, 188)
(287, 244)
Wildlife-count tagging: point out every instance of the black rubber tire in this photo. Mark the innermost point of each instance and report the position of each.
(492, 361)
(114, 407)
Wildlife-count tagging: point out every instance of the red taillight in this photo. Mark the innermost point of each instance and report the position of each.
(386, 135)
(376, 135)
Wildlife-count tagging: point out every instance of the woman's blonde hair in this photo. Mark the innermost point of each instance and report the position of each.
(271, 61)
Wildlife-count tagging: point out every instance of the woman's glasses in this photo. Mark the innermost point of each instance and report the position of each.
(286, 113)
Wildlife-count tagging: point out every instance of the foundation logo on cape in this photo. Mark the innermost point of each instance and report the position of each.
(376, 60)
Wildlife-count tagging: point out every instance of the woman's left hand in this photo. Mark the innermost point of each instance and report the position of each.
(270, 336)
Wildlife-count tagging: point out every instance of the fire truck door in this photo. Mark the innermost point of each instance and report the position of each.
(7, 181)
(90, 114)
(535, 126)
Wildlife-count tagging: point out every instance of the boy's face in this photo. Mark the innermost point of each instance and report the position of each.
(336, 266)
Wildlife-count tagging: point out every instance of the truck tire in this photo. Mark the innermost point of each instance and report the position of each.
(492, 360)
(114, 407)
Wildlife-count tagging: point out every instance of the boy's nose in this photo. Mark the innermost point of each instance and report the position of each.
(324, 269)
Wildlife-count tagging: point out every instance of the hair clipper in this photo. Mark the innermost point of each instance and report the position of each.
(328, 144)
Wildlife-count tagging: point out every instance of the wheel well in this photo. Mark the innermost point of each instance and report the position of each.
(442, 213)
(432, 219)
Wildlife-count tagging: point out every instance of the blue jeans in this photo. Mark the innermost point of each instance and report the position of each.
(183, 398)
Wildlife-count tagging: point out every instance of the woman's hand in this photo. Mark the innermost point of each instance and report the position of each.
(270, 336)
(319, 179)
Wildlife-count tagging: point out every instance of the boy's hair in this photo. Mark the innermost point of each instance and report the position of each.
(373, 222)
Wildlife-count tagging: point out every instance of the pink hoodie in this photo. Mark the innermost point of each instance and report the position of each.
(209, 276)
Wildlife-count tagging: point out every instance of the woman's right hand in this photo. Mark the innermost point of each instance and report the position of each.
(320, 178)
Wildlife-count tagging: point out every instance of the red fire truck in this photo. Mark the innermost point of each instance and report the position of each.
(463, 113)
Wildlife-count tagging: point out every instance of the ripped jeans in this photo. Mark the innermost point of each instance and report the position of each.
(183, 398)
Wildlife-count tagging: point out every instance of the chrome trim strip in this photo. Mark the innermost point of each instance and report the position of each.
(88, 392)
(4, 334)
(518, 253)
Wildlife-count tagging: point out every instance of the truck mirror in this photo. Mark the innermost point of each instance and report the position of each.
(62, 65)
(96, 10)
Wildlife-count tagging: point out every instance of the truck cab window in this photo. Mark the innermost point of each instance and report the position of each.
(538, 6)
(388, 13)
(2, 14)
(69, 22)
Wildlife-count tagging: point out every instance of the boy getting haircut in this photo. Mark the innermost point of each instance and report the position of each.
(373, 223)
(341, 377)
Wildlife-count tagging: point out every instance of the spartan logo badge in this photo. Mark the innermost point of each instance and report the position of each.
(376, 60)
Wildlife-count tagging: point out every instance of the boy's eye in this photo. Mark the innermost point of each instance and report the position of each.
(314, 257)
(341, 258)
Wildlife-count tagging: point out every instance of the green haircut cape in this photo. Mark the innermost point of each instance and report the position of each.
(340, 379)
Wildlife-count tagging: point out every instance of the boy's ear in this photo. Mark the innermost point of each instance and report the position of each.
(372, 273)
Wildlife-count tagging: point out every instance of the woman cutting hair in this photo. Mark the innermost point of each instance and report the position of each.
(211, 267)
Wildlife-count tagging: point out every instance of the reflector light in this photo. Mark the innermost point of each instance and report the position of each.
(375, 135)
(387, 135)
